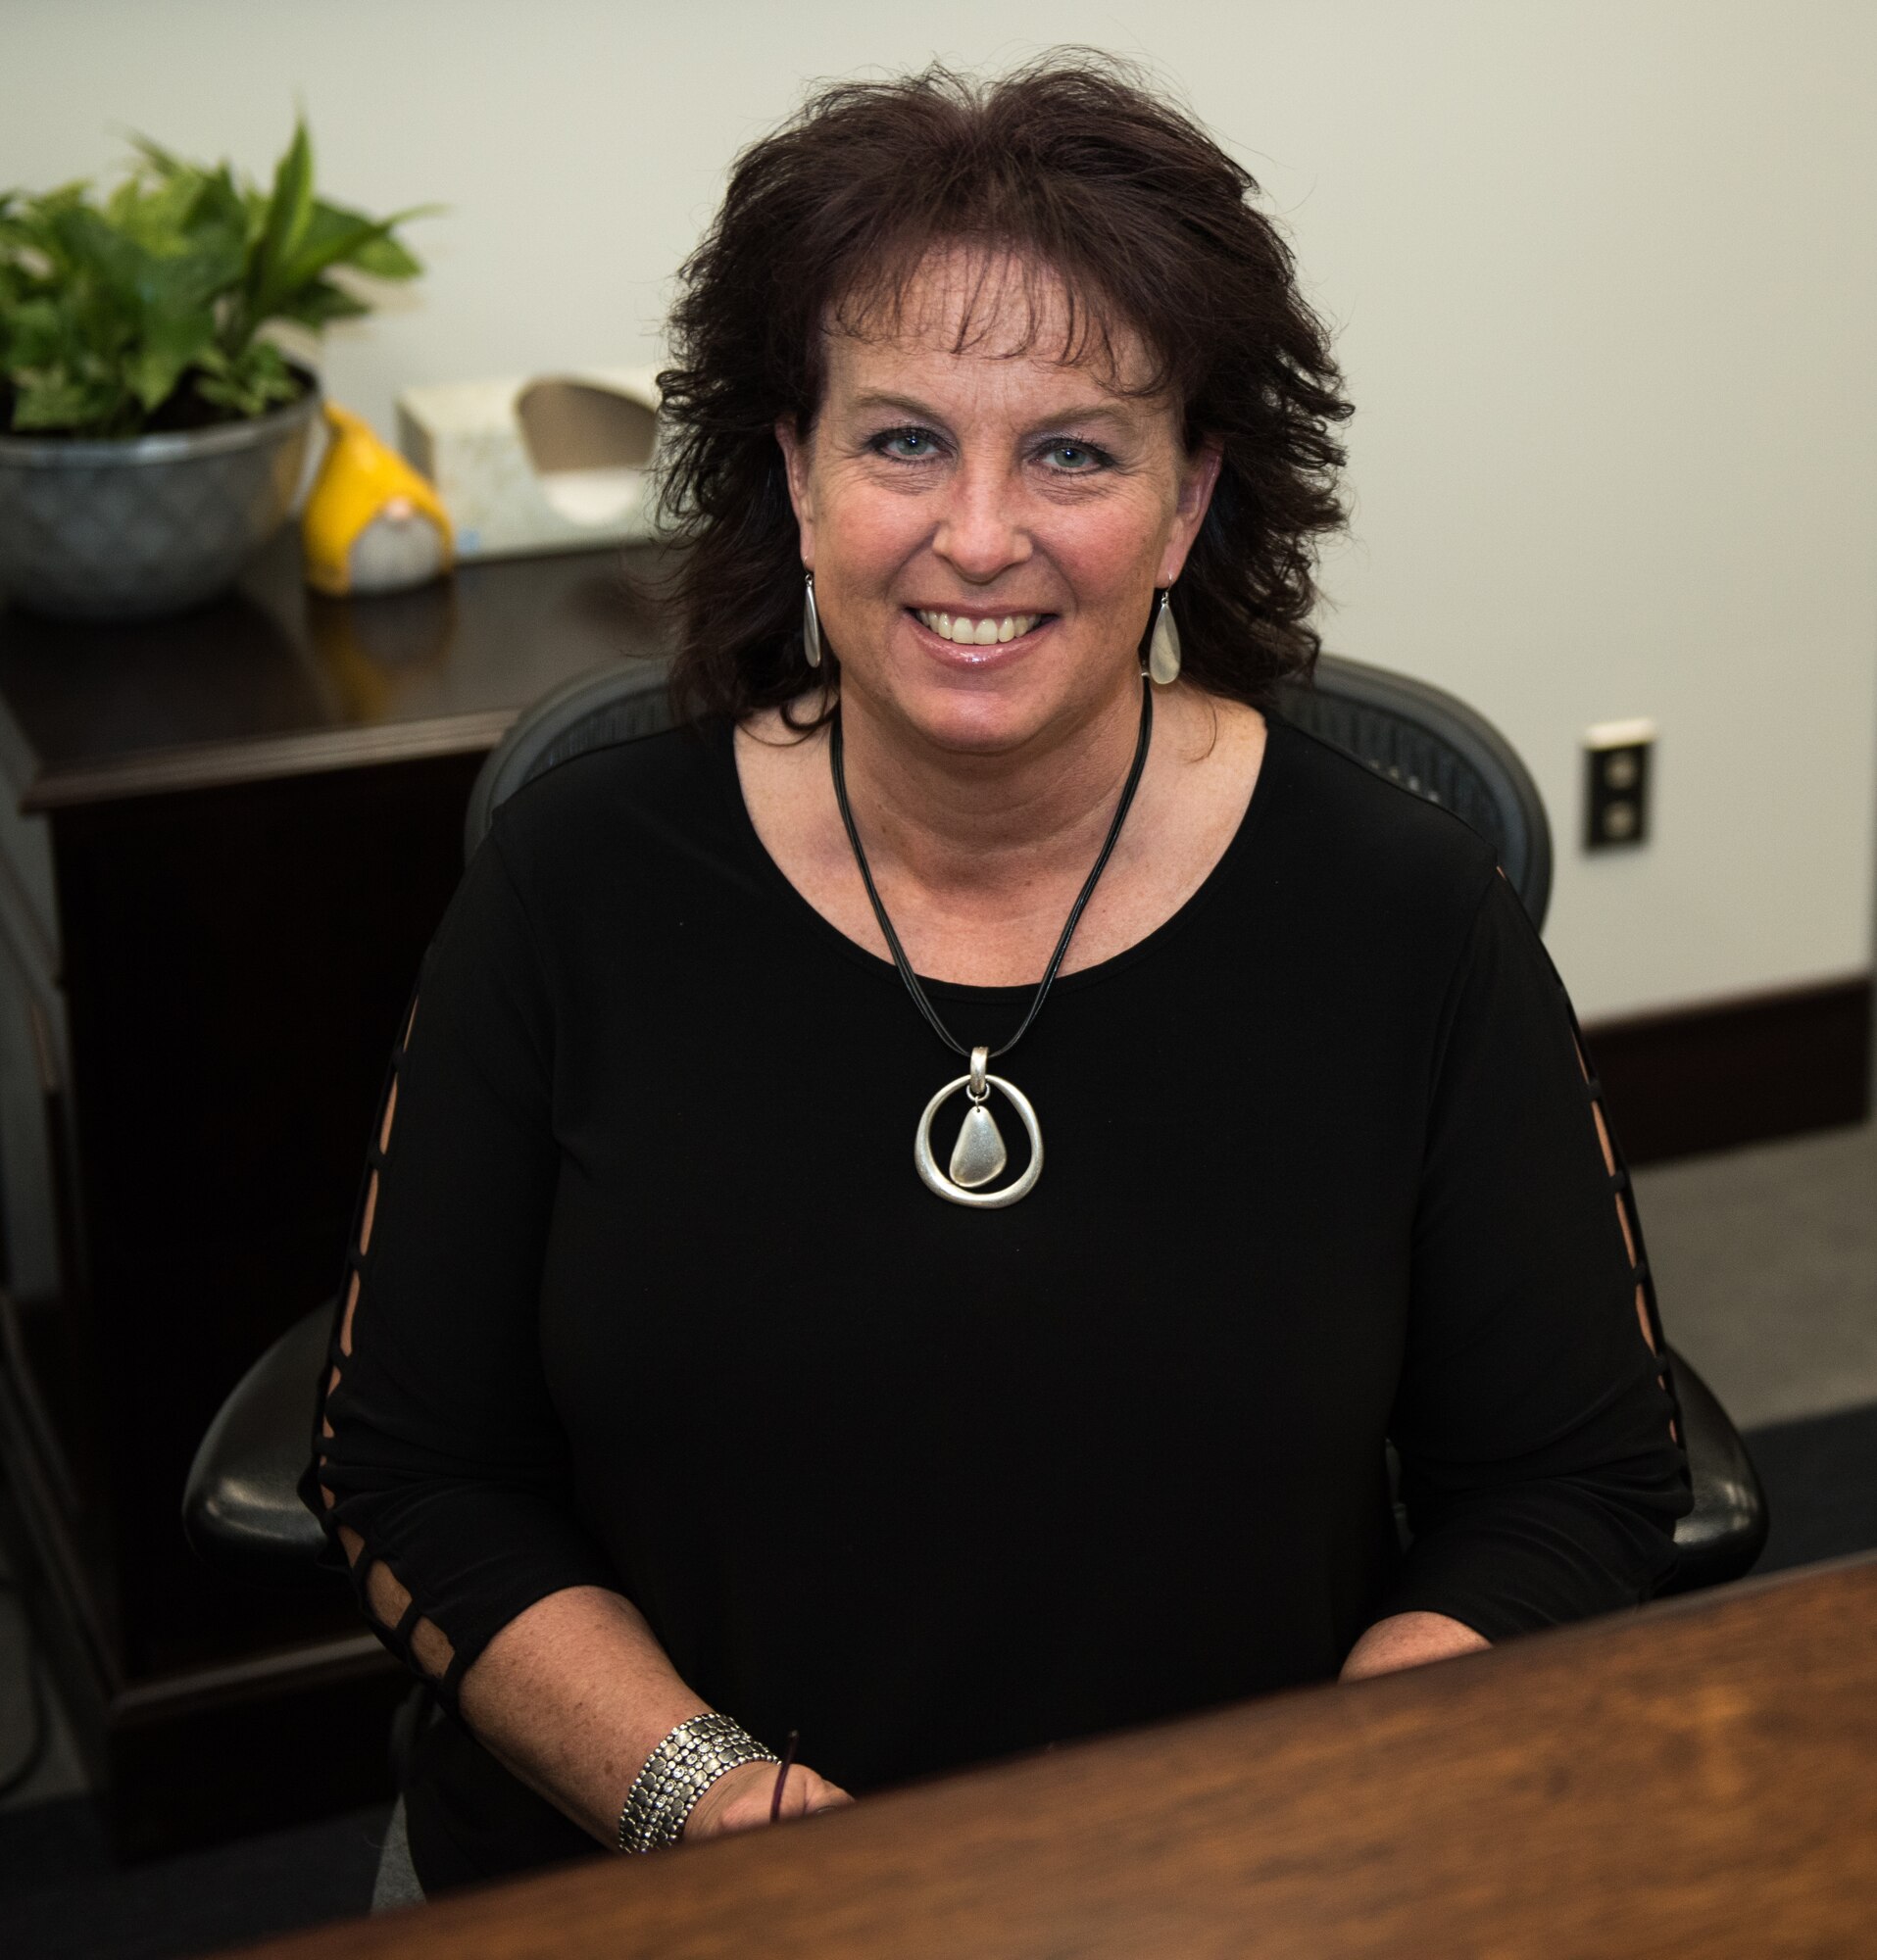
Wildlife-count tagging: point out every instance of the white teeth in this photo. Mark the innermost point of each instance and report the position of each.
(962, 633)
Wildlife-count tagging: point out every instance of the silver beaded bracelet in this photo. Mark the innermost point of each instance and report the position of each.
(678, 1772)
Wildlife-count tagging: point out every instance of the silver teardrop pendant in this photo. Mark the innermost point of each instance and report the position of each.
(979, 1155)
(955, 1188)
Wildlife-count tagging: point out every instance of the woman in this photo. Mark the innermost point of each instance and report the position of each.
(675, 1402)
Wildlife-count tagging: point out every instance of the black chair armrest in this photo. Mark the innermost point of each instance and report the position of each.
(240, 1508)
(1726, 1530)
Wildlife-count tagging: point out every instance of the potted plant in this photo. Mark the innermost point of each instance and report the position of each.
(152, 429)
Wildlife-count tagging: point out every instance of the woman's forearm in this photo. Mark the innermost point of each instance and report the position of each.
(1409, 1640)
(572, 1696)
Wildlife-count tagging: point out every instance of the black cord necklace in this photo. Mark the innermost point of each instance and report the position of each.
(979, 1155)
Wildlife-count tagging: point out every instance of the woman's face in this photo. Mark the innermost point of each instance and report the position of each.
(987, 529)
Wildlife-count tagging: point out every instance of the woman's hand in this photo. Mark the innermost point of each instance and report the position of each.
(741, 1798)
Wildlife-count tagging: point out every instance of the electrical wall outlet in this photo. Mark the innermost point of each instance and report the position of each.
(1617, 756)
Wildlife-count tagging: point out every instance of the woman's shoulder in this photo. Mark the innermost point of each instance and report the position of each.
(620, 809)
(1374, 839)
(645, 779)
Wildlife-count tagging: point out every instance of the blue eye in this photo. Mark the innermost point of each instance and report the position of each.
(1074, 459)
(910, 445)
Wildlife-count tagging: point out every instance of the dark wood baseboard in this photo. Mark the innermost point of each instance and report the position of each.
(1741, 1071)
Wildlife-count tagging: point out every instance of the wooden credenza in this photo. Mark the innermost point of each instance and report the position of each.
(224, 841)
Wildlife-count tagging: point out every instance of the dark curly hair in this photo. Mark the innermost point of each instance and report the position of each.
(1069, 165)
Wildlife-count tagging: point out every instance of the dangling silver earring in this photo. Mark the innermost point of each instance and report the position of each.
(812, 624)
(1163, 650)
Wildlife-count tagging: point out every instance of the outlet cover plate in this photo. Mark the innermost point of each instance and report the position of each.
(1617, 758)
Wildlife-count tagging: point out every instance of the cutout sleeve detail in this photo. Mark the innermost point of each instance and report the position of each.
(443, 1472)
(1557, 1495)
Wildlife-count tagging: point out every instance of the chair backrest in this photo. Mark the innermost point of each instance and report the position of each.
(1424, 739)
(1409, 731)
(618, 704)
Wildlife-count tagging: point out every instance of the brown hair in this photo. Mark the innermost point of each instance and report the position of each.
(1068, 164)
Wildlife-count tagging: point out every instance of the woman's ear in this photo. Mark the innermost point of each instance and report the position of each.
(1198, 478)
(795, 463)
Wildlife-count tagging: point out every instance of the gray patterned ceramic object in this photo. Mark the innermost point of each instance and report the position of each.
(130, 530)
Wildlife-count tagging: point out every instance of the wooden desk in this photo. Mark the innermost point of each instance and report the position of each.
(225, 841)
(1698, 1779)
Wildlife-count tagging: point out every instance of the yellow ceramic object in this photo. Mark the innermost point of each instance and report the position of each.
(372, 523)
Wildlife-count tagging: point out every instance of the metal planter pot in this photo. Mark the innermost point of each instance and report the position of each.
(130, 530)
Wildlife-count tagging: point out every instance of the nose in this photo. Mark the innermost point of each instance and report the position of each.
(981, 528)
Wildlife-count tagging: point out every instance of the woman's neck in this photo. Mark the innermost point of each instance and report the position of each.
(996, 826)
(978, 858)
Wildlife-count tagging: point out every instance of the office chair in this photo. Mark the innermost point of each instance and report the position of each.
(1434, 745)
(240, 1509)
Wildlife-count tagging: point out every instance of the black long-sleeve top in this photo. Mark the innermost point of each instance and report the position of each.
(646, 1292)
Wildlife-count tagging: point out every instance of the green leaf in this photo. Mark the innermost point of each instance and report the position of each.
(29, 333)
(289, 213)
(377, 254)
(92, 249)
(157, 216)
(60, 405)
(171, 347)
(341, 244)
(387, 257)
(320, 303)
(28, 224)
(166, 163)
(221, 212)
(249, 382)
(213, 240)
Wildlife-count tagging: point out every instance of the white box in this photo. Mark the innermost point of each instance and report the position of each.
(553, 463)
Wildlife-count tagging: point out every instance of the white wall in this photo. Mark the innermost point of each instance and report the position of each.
(1604, 273)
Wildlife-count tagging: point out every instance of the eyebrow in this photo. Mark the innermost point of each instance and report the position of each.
(1114, 414)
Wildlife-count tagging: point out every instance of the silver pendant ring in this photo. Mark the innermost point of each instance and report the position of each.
(935, 1179)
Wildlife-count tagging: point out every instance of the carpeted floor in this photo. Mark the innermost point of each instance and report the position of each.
(1765, 1264)
(1820, 1474)
(62, 1898)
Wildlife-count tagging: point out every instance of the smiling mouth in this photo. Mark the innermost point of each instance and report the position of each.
(989, 631)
